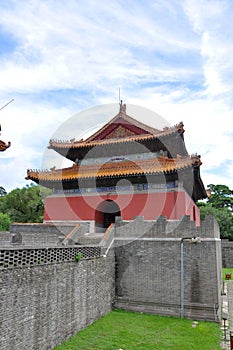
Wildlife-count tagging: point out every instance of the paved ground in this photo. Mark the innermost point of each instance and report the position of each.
(227, 311)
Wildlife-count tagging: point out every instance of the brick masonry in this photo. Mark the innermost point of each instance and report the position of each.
(41, 306)
(148, 269)
(227, 253)
(46, 296)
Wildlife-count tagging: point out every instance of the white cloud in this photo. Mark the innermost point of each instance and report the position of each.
(212, 21)
(105, 41)
(171, 57)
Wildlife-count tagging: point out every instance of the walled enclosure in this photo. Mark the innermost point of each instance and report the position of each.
(43, 305)
(148, 265)
(46, 296)
(227, 253)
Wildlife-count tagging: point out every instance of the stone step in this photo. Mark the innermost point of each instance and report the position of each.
(100, 229)
(90, 239)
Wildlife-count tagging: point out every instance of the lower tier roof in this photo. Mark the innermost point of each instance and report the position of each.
(134, 171)
(114, 169)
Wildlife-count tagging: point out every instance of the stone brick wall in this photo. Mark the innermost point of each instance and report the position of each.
(227, 253)
(46, 296)
(41, 306)
(148, 263)
(39, 234)
(25, 257)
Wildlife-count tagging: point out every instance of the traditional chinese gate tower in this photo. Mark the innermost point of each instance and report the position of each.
(125, 169)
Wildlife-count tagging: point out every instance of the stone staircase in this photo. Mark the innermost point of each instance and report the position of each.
(91, 238)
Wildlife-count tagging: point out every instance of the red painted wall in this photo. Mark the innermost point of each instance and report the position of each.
(173, 205)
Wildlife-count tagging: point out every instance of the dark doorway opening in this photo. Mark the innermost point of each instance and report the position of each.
(106, 213)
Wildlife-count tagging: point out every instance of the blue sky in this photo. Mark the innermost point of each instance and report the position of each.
(58, 58)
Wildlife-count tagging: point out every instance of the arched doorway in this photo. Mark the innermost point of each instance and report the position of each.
(106, 212)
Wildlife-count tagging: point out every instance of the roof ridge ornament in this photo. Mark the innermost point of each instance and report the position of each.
(3, 145)
(196, 159)
(122, 107)
(180, 128)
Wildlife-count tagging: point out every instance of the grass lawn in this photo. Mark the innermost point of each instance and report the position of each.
(136, 331)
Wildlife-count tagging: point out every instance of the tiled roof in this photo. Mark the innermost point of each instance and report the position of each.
(134, 138)
(127, 120)
(112, 169)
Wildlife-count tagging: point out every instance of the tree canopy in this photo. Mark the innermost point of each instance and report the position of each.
(220, 204)
(2, 191)
(5, 222)
(22, 205)
(221, 196)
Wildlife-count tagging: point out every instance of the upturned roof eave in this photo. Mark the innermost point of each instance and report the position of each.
(53, 144)
(161, 166)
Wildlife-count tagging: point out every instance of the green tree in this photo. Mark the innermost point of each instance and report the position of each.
(221, 196)
(219, 204)
(5, 222)
(2, 191)
(24, 205)
(223, 216)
